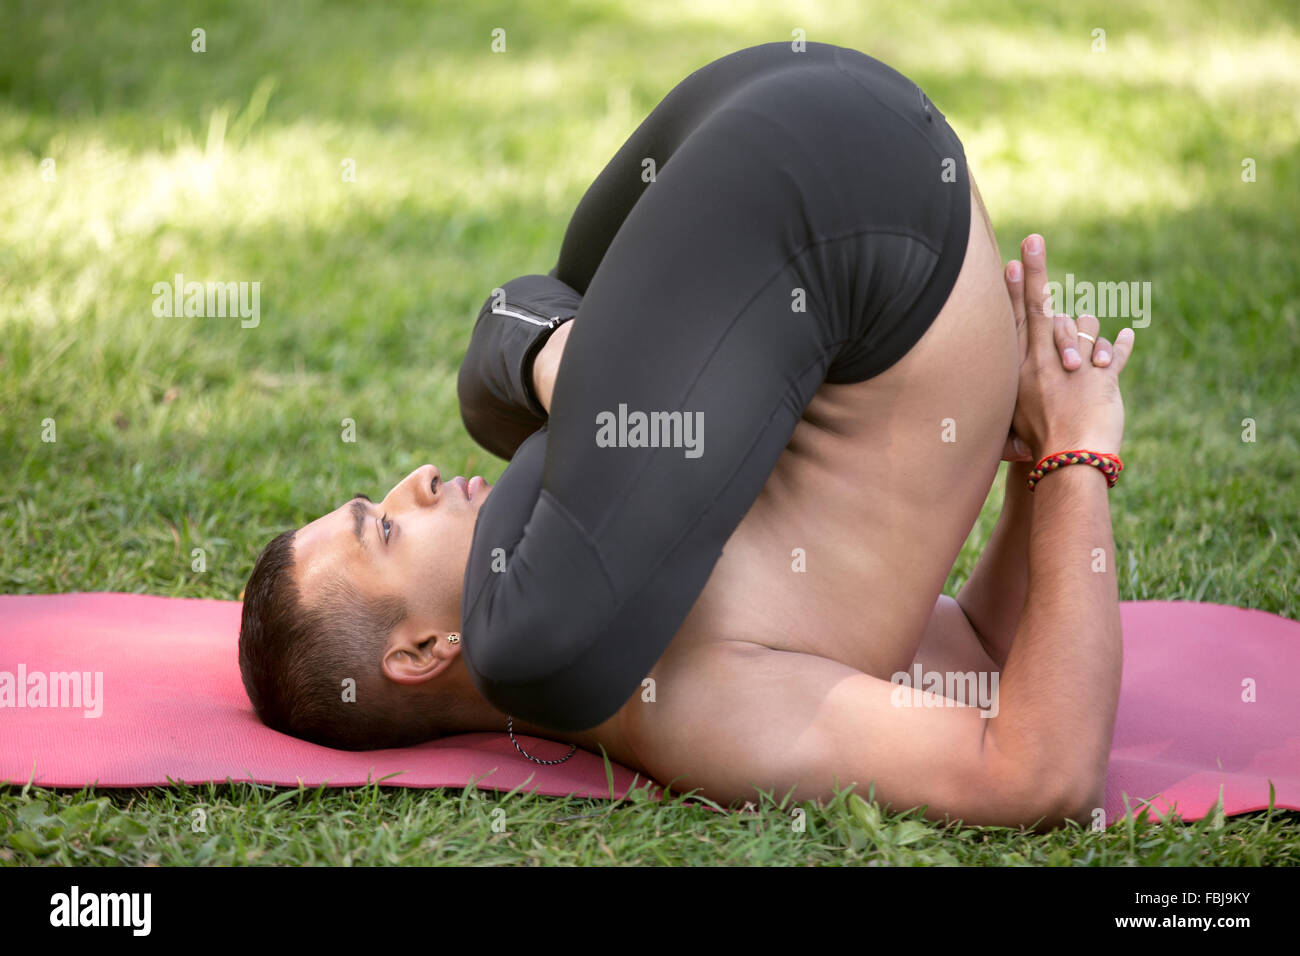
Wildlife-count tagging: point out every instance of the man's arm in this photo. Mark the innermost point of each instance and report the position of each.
(951, 644)
(547, 365)
(1060, 687)
(732, 719)
(993, 597)
(495, 385)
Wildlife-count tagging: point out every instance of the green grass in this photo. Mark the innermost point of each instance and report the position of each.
(175, 434)
(249, 824)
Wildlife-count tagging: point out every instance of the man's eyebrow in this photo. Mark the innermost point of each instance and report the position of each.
(359, 518)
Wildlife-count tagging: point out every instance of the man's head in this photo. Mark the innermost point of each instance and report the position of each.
(368, 594)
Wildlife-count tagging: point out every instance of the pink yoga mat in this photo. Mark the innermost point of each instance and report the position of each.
(172, 707)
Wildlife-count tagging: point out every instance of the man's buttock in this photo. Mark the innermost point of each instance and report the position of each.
(848, 546)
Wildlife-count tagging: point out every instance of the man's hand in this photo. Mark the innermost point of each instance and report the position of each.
(1065, 331)
(1060, 408)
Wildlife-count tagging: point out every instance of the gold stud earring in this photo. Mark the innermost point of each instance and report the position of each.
(453, 638)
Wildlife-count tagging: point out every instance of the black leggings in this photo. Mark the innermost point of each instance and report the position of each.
(802, 219)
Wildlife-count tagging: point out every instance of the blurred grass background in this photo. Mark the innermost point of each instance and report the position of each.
(176, 433)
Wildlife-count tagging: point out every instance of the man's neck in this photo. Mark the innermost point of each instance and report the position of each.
(477, 715)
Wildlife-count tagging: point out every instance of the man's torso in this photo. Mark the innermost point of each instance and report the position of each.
(847, 548)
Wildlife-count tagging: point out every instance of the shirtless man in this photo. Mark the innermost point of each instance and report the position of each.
(778, 677)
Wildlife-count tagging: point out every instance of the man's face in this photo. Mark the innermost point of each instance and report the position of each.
(414, 543)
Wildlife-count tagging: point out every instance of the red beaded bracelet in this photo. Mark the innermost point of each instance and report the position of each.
(1110, 465)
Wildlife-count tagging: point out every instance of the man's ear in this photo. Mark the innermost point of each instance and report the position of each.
(414, 655)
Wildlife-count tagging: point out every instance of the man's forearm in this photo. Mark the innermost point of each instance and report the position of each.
(1060, 687)
(495, 384)
(993, 597)
(547, 365)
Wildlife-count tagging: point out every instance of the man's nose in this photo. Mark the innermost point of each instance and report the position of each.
(420, 488)
(428, 482)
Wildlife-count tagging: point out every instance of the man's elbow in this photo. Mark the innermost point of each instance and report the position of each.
(1048, 797)
(1077, 796)
(1083, 800)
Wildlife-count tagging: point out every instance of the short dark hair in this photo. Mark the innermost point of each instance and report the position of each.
(294, 658)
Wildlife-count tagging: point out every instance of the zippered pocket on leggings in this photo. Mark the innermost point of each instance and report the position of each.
(530, 315)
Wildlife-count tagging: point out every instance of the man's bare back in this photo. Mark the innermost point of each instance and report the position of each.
(836, 570)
